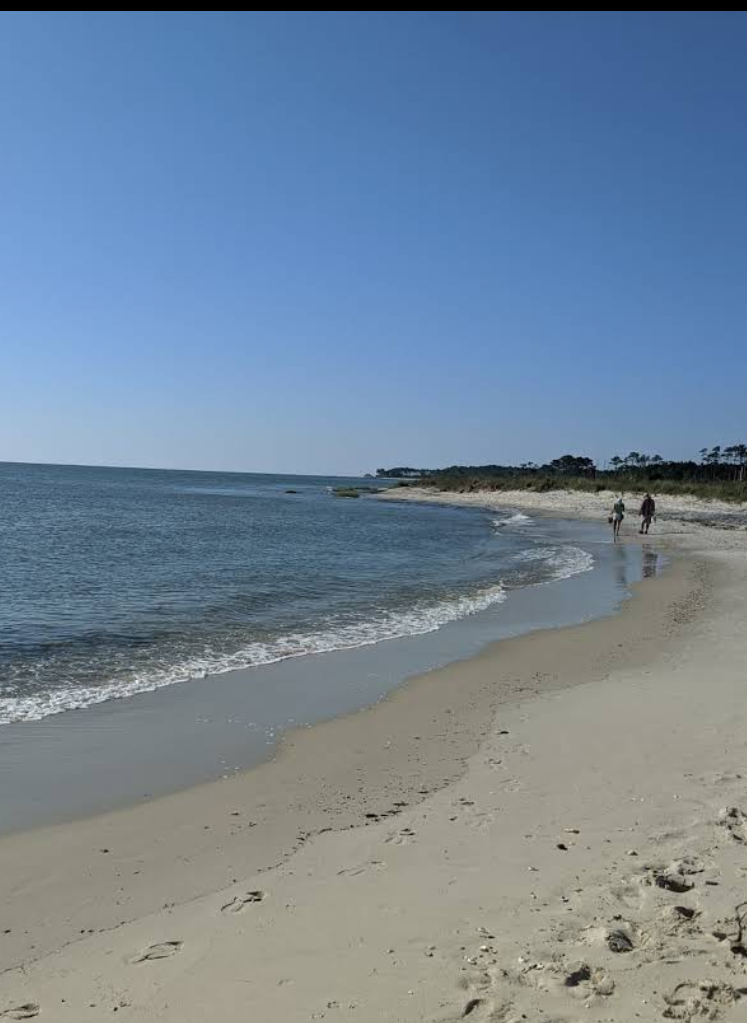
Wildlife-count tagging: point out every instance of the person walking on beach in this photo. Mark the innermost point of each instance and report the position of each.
(618, 514)
(647, 513)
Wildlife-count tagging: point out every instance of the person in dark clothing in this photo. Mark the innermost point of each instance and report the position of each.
(647, 513)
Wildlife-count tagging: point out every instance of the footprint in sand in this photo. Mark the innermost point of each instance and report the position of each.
(687, 866)
(403, 837)
(669, 882)
(636, 892)
(631, 894)
(623, 939)
(467, 813)
(721, 778)
(240, 902)
(676, 920)
(362, 868)
(484, 1010)
(496, 994)
(578, 980)
(480, 821)
(703, 1000)
(27, 1011)
(162, 950)
(735, 822)
(674, 878)
(732, 931)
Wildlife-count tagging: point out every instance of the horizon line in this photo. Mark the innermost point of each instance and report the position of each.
(161, 468)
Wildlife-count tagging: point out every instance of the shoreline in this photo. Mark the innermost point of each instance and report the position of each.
(308, 753)
(119, 753)
(351, 807)
(678, 512)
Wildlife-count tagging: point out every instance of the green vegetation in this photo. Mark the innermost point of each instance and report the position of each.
(538, 483)
(356, 491)
(720, 474)
(402, 472)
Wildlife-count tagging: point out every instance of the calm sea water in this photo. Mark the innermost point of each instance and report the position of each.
(120, 581)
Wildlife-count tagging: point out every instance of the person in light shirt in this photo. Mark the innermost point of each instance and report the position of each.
(618, 514)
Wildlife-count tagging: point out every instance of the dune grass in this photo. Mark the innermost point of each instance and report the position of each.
(731, 491)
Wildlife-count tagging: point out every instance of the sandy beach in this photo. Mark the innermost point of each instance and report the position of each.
(553, 830)
(678, 513)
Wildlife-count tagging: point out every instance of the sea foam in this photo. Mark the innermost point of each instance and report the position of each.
(348, 636)
(563, 562)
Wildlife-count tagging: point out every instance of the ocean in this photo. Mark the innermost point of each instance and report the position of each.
(116, 582)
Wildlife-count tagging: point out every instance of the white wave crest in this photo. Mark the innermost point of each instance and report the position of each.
(517, 519)
(391, 625)
(564, 561)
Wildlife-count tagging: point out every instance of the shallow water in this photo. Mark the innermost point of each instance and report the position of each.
(116, 752)
(115, 582)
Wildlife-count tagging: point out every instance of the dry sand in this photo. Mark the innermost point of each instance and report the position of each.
(555, 830)
(676, 512)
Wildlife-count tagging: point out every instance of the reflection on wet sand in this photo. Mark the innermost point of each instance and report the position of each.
(651, 564)
(621, 566)
(651, 560)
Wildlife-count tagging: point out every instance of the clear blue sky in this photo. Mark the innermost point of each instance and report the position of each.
(328, 242)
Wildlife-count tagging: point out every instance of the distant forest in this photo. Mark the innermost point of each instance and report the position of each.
(719, 472)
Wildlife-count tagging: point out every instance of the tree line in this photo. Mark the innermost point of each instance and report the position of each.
(718, 464)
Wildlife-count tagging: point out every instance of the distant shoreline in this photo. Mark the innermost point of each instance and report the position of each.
(680, 512)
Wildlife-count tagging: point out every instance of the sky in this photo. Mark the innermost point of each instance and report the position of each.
(332, 241)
